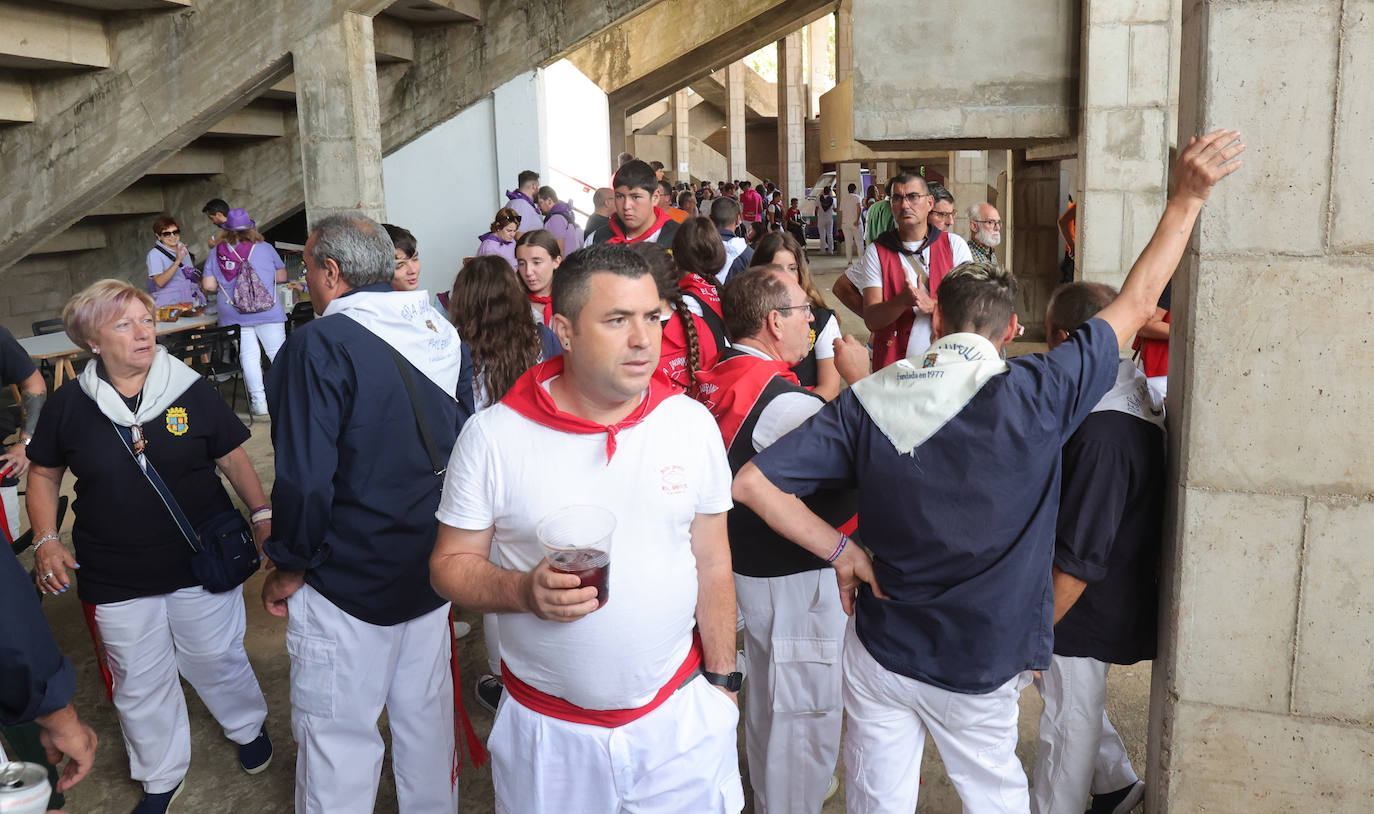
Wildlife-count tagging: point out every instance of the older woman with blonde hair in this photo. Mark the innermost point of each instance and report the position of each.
(134, 415)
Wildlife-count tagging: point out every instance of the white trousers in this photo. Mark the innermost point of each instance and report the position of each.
(148, 641)
(853, 241)
(825, 224)
(343, 672)
(793, 701)
(1080, 752)
(254, 340)
(889, 716)
(679, 758)
(10, 496)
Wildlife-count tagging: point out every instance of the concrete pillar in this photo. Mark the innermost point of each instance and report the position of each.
(1124, 137)
(1263, 698)
(881, 172)
(791, 127)
(619, 126)
(817, 65)
(734, 120)
(1033, 235)
(844, 40)
(682, 143)
(968, 183)
(336, 104)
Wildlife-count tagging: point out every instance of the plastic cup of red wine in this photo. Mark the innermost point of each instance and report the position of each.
(577, 540)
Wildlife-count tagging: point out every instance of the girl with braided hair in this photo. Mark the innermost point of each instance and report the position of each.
(680, 355)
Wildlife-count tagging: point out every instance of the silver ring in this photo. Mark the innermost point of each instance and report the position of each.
(47, 576)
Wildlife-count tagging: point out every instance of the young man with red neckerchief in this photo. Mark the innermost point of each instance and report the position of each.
(636, 218)
(607, 708)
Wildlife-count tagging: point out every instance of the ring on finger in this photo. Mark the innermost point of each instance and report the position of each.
(47, 576)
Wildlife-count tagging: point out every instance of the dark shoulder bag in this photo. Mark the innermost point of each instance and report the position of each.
(224, 554)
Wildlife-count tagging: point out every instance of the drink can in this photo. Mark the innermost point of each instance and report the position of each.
(24, 788)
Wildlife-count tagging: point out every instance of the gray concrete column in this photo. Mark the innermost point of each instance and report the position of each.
(619, 127)
(791, 127)
(1124, 137)
(1263, 697)
(817, 65)
(734, 120)
(339, 117)
(968, 183)
(882, 171)
(682, 137)
(844, 40)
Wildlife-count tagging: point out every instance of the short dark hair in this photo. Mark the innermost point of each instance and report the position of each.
(853, 187)
(215, 205)
(548, 193)
(636, 175)
(977, 298)
(1073, 304)
(748, 299)
(697, 247)
(164, 220)
(724, 212)
(905, 178)
(667, 188)
(571, 283)
(938, 191)
(401, 238)
(623, 159)
(684, 197)
(526, 177)
(541, 238)
(657, 165)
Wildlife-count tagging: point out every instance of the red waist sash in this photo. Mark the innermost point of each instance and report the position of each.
(555, 707)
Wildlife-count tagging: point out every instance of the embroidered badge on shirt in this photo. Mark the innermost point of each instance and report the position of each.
(929, 361)
(177, 422)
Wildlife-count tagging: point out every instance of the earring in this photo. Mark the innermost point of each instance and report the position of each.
(96, 351)
(566, 346)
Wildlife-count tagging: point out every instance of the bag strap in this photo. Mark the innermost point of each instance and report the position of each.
(712, 320)
(163, 249)
(150, 472)
(436, 462)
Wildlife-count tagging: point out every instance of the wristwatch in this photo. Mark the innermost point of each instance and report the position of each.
(730, 681)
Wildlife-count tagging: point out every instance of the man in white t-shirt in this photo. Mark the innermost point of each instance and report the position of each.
(607, 707)
(851, 223)
(897, 312)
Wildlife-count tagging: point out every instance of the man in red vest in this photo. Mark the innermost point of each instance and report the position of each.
(620, 699)
(901, 272)
(793, 622)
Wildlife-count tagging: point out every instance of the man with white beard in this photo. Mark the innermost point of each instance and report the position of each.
(984, 231)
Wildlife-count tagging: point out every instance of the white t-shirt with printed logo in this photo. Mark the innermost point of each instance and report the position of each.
(509, 472)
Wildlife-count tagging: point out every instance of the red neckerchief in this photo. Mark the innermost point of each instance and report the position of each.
(618, 234)
(695, 284)
(732, 387)
(547, 302)
(529, 398)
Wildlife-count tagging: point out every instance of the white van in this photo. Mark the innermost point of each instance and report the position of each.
(827, 179)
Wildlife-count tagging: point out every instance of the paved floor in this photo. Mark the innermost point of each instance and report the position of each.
(215, 784)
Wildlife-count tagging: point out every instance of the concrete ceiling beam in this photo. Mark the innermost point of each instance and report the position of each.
(254, 121)
(191, 161)
(16, 100)
(142, 199)
(436, 11)
(40, 37)
(760, 95)
(392, 40)
(127, 5)
(283, 91)
(79, 238)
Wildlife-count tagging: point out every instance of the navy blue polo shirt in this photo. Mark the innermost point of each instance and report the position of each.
(962, 530)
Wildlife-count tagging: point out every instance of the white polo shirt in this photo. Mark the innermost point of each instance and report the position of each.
(509, 472)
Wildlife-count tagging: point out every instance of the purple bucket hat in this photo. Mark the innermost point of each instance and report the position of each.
(237, 220)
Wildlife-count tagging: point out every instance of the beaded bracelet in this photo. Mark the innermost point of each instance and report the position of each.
(844, 539)
(46, 538)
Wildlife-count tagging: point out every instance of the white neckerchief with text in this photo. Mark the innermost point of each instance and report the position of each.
(167, 379)
(911, 399)
(407, 322)
(1131, 395)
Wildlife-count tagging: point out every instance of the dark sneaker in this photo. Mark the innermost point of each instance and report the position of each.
(159, 803)
(489, 689)
(1119, 801)
(256, 756)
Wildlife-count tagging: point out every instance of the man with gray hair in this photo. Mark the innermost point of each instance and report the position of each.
(365, 416)
(953, 614)
(984, 231)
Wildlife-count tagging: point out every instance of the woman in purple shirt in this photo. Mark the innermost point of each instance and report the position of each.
(260, 331)
(558, 219)
(500, 241)
(172, 275)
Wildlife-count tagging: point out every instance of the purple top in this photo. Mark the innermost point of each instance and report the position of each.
(179, 288)
(560, 223)
(491, 244)
(530, 217)
(265, 262)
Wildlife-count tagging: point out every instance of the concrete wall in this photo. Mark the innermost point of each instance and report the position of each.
(1265, 700)
(935, 75)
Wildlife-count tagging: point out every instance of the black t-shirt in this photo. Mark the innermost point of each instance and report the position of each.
(126, 541)
(1111, 518)
(15, 367)
(1166, 299)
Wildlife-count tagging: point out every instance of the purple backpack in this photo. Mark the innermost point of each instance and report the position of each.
(249, 294)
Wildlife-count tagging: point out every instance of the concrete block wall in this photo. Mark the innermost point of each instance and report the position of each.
(1264, 694)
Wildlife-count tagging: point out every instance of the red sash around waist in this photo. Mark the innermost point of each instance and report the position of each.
(555, 707)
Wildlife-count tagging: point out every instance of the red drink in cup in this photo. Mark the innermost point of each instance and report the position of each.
(577, 540)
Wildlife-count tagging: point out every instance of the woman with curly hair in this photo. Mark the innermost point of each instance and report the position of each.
(500, 241)
(817, 371)
(491, 311)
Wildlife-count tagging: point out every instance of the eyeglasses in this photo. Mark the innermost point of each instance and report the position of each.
(912, 198)
(170, 232)
(995, 224)
(944, 215)
(806, 306)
